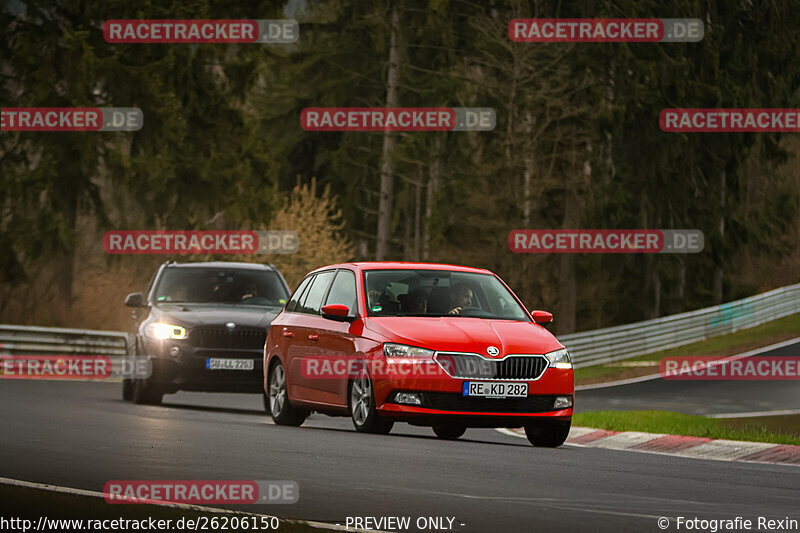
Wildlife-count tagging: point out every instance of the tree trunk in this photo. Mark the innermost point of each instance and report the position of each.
(66, 271)
(718, 270)
(527, 175)
(418, 212)
(430, 196)
(387, 170)
(567, 286)
(656, 311)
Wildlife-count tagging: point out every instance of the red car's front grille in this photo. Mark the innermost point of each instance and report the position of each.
(470, 366)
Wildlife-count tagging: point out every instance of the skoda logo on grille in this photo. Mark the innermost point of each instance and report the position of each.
(492, 350)
(231, 326)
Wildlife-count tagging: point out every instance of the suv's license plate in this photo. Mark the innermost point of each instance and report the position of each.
(495, 389)
(229, 364)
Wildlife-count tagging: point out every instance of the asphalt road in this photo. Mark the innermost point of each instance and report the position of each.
(698, 397)
(82, 434)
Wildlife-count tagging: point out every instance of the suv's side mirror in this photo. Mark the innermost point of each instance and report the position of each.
(542, 317)
(135, 299)
(338, 312)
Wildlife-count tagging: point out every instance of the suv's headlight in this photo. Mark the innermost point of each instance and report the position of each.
(166, 331)
(559, 359)
(402, 351)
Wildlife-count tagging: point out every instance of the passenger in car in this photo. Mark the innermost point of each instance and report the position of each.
(178, 293)
(415, 302)
(381, 301)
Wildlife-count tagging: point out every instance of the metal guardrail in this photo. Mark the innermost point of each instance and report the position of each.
(35, 340)
(587, 348)
(631, 340)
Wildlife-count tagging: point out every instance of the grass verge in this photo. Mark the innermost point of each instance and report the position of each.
(755, 429)
(723, 346)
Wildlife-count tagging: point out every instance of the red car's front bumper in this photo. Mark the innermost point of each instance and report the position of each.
(442, 398)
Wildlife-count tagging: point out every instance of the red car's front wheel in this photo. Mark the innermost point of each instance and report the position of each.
(449, 431)
(547, 433)
(362, 406)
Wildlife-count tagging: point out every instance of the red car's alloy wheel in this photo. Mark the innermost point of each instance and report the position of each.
(362, 406)
(282, 411)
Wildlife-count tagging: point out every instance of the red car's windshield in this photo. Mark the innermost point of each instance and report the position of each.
(407, 292)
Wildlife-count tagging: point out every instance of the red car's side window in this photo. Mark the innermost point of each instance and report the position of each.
(343, 291)
(312, 301)
(292, 305)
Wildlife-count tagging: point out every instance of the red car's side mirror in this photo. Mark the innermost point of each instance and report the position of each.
(336, 312)
(542, 317)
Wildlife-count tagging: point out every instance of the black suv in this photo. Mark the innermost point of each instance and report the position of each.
(203, 327)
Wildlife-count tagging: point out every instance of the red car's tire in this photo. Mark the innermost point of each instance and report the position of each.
(449, 431)
(276, 401)
(548, 433)
(361, 403)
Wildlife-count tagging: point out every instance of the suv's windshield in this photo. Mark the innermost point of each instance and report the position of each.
(221, 286)
(439, 293)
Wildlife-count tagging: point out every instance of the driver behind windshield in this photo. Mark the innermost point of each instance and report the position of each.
(461, 297)
(179, 292)
(249, 290)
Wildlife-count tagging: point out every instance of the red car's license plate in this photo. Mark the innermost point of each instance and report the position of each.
(495, 389)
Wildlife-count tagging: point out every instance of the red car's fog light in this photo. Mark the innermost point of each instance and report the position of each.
(562, 402)
(410, 398)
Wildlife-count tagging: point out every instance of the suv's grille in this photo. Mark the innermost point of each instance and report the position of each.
(446, 401)
(222, 338)
(475, 366)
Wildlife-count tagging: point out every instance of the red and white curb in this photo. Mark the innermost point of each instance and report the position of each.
(693, 447)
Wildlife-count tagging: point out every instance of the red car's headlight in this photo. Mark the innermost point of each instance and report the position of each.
(559, 359)
(406, 353)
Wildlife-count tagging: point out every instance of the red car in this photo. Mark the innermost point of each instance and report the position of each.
(445, 346)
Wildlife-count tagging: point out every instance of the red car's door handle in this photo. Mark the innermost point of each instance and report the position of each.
(287, 333)
(314, 337)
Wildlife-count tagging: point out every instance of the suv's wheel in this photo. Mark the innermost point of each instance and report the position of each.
(449, 431)
(278, 405)
(362, 406)
(127, 383)
(146, 392)
(127, 389)
(548, 434)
